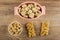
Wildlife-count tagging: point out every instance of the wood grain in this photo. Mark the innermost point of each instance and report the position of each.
(52, 15)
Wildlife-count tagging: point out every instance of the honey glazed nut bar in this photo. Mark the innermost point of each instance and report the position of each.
(44, 28)
(15, 29)
(30, 29)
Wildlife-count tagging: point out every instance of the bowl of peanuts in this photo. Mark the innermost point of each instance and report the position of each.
(29, 10)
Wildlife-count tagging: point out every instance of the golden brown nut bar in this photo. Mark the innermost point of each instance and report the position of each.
(44, 28)
(30, 28)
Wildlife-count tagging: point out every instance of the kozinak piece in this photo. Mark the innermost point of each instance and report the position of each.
(15, 28)
(30, 28)
(44, 28)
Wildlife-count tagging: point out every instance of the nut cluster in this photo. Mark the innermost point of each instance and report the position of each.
(30, 28)
(44, 28)
(15, 29)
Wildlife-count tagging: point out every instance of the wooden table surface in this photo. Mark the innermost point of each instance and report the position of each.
(52, 15)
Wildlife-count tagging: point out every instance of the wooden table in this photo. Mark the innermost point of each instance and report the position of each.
(52, 15)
